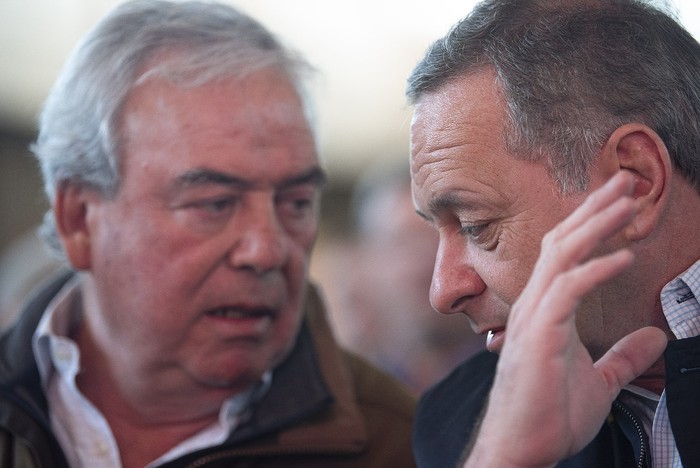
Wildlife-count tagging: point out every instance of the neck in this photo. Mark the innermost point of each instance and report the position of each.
(653, 379)
(140, 444)
(145, 423)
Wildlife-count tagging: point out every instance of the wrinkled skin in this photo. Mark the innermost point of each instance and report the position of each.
(195, 271)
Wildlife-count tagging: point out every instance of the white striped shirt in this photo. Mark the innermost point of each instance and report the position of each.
(679, 300)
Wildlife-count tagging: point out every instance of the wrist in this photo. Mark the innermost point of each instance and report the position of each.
(487, 451)
(479, 458)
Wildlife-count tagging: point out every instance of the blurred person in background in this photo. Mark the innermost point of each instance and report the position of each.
(386, 313)
(181, 167)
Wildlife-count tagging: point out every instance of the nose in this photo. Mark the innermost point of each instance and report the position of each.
(261, 243)
(455, 280)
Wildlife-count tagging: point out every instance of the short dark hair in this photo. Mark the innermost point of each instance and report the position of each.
(571, 72)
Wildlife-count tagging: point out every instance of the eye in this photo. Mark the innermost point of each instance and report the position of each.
(205, 213)
(473, 231)
(295, 208)
(217, 206)
(214, 206)
(298, 203)
(481, 235)
(211, 209)
(301, 203)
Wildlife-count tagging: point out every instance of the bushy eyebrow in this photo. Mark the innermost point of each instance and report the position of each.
(315, 176)
(202, 176)
(446, 203)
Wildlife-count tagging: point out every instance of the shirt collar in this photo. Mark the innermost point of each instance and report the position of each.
(679, 300)
(58, 357)
(61, 317)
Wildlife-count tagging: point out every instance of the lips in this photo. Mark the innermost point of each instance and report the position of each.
(241, 322)
(241, 312)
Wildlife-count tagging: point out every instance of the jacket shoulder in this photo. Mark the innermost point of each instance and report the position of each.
(388, 410)
(371, 404)
(15, 453)
(376, 388)
(448, 412)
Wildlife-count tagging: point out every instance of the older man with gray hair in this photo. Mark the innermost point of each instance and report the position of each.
(180, 163)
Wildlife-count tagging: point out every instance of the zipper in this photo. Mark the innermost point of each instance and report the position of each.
(638, 428)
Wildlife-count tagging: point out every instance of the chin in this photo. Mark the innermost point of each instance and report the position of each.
(231, 382)
(235, 372)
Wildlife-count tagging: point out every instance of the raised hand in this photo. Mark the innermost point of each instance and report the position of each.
(549, 399)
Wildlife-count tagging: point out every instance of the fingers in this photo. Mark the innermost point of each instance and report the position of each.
(630, 357)
(543, 357)
(619, 186)
(604, 213)
(576, 245)
(569, 286)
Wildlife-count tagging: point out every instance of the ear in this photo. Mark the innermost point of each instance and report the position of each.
(70, 212)
(639, 150)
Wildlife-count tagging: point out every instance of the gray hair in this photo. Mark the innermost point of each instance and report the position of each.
(78, 129)
(572, 71)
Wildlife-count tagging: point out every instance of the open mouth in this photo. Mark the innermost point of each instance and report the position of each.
(241, 312)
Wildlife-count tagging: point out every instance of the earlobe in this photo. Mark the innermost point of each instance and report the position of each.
(70, 212)
(639, 150)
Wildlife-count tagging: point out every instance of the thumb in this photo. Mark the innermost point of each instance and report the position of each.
(630, 357)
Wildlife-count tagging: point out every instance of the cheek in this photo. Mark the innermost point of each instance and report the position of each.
(301, 244)
(295, 275)
(507, 269)
(143, 259)
(524, 249)
(305, 237)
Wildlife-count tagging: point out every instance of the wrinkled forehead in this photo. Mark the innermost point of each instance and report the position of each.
(457, 138)
(465, 102)
(188, 67)
(433, 126)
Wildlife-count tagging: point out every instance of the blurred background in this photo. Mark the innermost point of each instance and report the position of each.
(363, 49)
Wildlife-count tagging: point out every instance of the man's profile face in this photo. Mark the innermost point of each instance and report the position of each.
(490, 209)
(199, 262)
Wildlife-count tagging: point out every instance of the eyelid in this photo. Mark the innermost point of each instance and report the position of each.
(215, 204)
(309, 191)
(484, 235)
(471, 229)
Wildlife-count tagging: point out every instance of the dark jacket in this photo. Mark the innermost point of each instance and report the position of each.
(448, 412)
(325, 408)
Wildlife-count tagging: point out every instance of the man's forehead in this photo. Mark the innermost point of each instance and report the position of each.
(264, 97)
